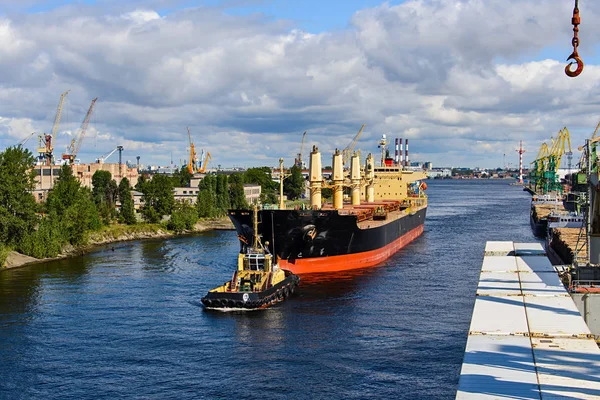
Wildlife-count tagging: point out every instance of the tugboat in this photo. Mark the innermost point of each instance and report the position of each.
(257, 283)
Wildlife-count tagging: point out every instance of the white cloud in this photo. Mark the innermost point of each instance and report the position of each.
(460, 78)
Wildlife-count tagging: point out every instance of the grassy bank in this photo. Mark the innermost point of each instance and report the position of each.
(111, 234)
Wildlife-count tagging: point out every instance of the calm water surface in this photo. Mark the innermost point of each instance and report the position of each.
(129, 323)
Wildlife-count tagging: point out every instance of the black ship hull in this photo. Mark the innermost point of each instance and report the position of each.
(252, 300)
(308, 241)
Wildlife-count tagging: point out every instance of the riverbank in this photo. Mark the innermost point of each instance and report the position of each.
(118, 233)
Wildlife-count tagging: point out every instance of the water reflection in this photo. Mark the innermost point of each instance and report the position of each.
(21, 289)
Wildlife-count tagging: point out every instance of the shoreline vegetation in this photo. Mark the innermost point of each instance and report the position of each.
(115, 234)
(74, 218)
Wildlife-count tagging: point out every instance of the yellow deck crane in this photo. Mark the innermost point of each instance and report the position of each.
(298, 160)
(75, 144)
(563, 138)
(45, 147)
(347, 152)
(193, 162)
(593, 139)
(202, 169)
(536, 173)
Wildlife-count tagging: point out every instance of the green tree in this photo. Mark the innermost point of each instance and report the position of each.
(17, 205)
(46, 241)
(237, 197)
(262, 176)
(81, 217)
(127, 213)
(293, 186)
(141, 183)
(64, 192)
(124, 189)
(105, 193)
(73, 207)
(3, 254)
(222, 195)
(183, 217)
(158, 198)
(181, 177)
(207, 197)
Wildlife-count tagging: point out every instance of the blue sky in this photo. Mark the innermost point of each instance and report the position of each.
(310, 15)
(465, 81)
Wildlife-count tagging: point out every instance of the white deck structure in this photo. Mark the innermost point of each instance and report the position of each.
(527, 339)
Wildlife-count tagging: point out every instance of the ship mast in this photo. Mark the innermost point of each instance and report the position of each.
(255, 226)
(383, 145)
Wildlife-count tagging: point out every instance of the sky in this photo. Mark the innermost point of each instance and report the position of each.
(464, 80)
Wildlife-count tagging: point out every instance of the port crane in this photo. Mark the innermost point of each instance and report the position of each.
(193, 162)
(537, 172)
(202, 169)
(547, 162)
(45, 147)
(75, 145)
(298, 160)
(347, 152)
(104, 158)
(26, 139)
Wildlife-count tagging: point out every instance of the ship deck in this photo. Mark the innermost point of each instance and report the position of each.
(527, 339)
(394, 209)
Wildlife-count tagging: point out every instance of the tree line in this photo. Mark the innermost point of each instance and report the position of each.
(71, 211)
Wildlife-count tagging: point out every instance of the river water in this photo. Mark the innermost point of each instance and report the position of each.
(127, 322)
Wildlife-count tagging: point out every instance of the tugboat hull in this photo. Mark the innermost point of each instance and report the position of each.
(237, 300)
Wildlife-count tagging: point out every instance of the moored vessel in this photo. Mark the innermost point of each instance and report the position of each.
(385, 211)
(257, 283)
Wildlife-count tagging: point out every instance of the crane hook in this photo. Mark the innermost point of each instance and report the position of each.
(578, 61)
(576, 20)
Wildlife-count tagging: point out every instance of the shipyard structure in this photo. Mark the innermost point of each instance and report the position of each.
(46, 176)
(565, 211)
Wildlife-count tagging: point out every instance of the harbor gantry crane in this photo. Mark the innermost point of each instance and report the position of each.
(536, 174)
(298, 160)
(589, 238)
(547, 162)
(347, 152)
(75, 145)
(193, 162)
(45, 147)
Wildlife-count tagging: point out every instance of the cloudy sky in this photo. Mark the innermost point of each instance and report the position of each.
(463, 80)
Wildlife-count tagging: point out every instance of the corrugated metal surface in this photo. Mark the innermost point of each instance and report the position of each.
(526, 330)
(487, 373)
(499, 283)
(499, 263)
(535, 264)
(567, 368)
(529, 249)
(498, 248)
(554, 316)
(498, 315)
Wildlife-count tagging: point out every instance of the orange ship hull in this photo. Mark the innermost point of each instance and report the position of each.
(345, 262)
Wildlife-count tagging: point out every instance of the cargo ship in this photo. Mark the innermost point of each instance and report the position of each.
(384, 212)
